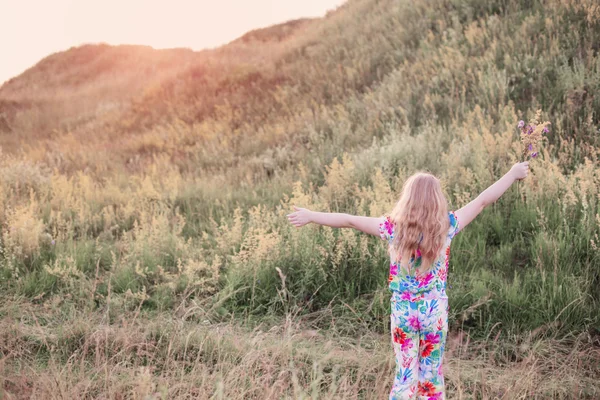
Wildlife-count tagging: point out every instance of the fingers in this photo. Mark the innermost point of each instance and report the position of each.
(296, 220)
(298, 210)
(294, 213)
(296, 223)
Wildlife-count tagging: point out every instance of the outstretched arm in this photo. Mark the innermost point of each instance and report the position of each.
(303, 216)
(468, 213)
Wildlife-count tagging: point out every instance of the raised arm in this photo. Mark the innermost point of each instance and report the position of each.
(303, 216)
(468, 213)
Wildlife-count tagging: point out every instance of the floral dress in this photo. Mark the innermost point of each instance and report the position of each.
(419, 321)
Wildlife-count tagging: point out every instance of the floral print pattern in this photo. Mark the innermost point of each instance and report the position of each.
(414, 282)
(419, 331)
(419, 322)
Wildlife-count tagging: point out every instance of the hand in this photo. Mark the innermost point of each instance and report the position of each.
(300, 217)
(520, 170)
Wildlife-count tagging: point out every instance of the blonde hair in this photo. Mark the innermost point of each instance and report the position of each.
(421, 221)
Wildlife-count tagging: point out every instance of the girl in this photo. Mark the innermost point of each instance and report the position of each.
(418, 232)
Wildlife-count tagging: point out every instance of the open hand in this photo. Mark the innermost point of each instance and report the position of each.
(300, 217)
(520, 170)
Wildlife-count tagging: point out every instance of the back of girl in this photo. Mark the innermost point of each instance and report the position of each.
(419, 232)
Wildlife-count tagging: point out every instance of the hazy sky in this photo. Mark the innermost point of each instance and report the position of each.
(33, 29)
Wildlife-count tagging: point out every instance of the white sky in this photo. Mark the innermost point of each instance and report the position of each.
(32, 29)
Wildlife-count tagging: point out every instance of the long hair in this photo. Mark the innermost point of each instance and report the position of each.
(421, 221)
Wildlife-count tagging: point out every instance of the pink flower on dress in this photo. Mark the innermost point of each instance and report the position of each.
(414, 322)
(424, 281)
(405, 296)
(407, 345)
(432, 338)
(388, 225)
(394, 269)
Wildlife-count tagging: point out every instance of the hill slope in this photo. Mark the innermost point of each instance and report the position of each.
(99, 83)
(404, 63)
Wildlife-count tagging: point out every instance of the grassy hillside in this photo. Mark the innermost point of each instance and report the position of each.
(145, 250)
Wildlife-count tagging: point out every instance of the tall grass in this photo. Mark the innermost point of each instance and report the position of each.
(187, 355)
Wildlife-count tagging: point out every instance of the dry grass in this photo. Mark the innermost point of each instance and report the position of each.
(54, 351)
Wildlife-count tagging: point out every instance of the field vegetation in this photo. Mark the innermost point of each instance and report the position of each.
(145, 252)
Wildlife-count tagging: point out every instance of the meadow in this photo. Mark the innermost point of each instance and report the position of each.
(145, 252)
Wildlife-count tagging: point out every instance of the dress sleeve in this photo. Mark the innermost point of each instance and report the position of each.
(454, 226)
(386, 229)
